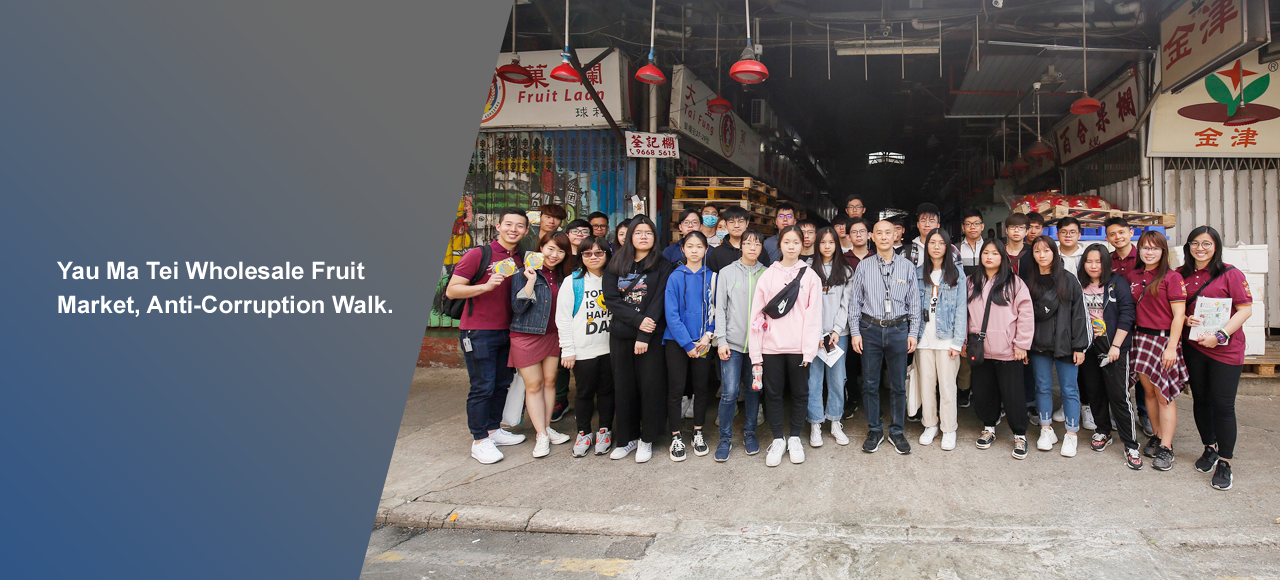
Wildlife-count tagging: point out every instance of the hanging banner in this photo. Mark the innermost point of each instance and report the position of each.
(551, 103)
(652, 145)
(1199, 36)
(725, 134)
(1233, 112)
(1080, 135)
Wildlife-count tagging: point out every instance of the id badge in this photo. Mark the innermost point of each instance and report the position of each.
(888, 308)
(466, 344)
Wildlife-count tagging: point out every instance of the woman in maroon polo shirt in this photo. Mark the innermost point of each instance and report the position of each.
(1216, 359)
(1157, 346)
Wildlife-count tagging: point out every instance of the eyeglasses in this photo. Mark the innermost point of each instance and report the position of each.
(1205, 245)
(593, 254)
(1017, 228)
(855, 207)
(691, 222)
(580, 231)
(972, 224)
(1151, 249)
(933, 221)
(642, 234)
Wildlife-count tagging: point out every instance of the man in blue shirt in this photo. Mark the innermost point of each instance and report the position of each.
(786, 217)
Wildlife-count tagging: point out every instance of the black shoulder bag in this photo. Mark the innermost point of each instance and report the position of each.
(974, 346)
(453, 306)
(785, 299)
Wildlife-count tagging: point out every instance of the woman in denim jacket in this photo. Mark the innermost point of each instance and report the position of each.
(535, 341)
(945, 316)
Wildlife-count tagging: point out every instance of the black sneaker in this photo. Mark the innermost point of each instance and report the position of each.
(900, 443)
(873, 441)
(700, 447)
(1222, 476)
(1099, 442)
(1164, 459)
(1145, 422)
(557, 412)
(915, 418)
(1019, 447)
(850, 410)
(677, 448)
(1152, 447)
(962, 398)
(986, 439)
(1206, 461)
(1133, 458)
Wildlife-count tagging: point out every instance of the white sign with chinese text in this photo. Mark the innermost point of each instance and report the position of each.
(551, 103)
(1232, 112)
(652, 145)
(1079, 135)
(1197, 34)
(724, 134)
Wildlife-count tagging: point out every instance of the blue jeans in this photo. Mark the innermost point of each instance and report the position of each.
(735, 374)
(884, 348)
(1042, 367)
(835, 377)
(490, 378)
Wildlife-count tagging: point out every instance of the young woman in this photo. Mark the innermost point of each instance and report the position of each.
(634, 291)
(1157, 349)
(836, 277)
(583, 322)
(782, 347)
(1061, 337)
(690, 306)
(735, 287)
(1105, 372)
(1215, 360)
(535, 342)
(942, 298)
(1010, 326)
(620, 235)
(710, 223)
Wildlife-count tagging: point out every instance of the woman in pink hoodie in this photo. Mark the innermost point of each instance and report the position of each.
(782, 347)
(1009, 328)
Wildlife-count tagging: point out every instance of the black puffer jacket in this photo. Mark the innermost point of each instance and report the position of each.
(1062, 324)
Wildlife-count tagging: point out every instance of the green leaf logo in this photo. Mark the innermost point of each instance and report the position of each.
(1255, 89)
(1218, 90)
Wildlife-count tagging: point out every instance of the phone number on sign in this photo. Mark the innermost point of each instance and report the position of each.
(660, 153)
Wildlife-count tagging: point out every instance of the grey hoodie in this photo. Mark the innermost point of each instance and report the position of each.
(735, 285)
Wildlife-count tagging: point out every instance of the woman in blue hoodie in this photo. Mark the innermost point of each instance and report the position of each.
(690, 310)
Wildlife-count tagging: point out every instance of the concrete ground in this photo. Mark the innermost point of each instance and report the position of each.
(931, 514)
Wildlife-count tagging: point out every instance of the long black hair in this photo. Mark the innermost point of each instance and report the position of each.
(1057, 278)
(1003, 284)
(841, 271)
(1216, 267)
(586, 244)
(950, 273)
(1104, 259)
(622, 261)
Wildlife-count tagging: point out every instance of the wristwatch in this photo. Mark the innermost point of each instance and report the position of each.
(1222, 337)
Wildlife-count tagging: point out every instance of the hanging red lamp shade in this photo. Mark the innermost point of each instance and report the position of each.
(1020, 164)
(1006, 172)
(719, 105)
(514, 73)
(566, 73)
(749, 71)
(1086, 105)
(1039, 149)
(650, 74)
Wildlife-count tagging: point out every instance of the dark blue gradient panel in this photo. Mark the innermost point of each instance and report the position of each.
(194, 445)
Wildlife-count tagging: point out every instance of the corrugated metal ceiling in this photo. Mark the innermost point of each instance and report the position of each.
(1017, 72)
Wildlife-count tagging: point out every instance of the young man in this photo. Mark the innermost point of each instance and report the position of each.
(786, 217)
(971, 246)
(1125, 258)
(599, 224)
(730, 250)
(899, 232)
(810, 231)
(1035, 225)
(577, 230)
(926, 222)
(1015, 232)
(690, 221)
(858, 238)
(857, 230)
(548, 222)
(484, 336)
(1069, 244)
(841, 226)
(884, 322)
(855, 208)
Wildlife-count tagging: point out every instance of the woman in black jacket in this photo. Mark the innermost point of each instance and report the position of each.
(1104, 375)
(1061, 338)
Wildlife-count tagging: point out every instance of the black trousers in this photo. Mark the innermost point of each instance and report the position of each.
(997, 382)
(1108, 388)
(853, 378)
(640, 390)
(783, 371)
(562, 385)
(1213, 392)
(687, 375)
(595, 392)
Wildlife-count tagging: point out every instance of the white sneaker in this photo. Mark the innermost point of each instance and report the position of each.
(541, 445)
(485, 451)
(837, 431)
(949, 441)
(504, 437)
(582, 444)
(686, 407)
(1047, 439)
(1086, 418)
(604, 441)
(556, 437)
(644, 452)
(815, 435)
(1069, 445)
(926, 438)
(773, 457)
(795, 449)
(624, 451)
(1059, 416)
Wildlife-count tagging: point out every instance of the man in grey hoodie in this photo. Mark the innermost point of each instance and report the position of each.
(735, 287)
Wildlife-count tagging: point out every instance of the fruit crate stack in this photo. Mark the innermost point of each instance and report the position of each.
(759, 199)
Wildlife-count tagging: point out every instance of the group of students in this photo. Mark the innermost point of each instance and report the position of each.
(811, 321)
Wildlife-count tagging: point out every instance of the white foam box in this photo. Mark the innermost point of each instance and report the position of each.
(1257, 287)
(1255, 341)
(1250, 259)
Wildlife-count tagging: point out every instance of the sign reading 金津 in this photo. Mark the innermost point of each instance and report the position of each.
(1232, 112)
(652, 145)
(1079, 135)
(725, 134)
(550, 103)
(1197, 36)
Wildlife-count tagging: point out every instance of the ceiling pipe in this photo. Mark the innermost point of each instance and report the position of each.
(1101, 25)
(1128, 8)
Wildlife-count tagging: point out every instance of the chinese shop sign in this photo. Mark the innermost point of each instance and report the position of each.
(551, 103)
(653, 145)
(1199, 36)
(724, 134)
(1233, 112)
(1080, 135)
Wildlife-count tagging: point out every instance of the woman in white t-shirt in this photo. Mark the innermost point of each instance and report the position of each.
(583, 323)
(945, 318)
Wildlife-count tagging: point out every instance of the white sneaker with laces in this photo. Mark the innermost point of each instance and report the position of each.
(795, 449)
(1047, 439)
(1059, 416)
(624, 451)
(1069, 445)
(485, 451)
(644, 452)
(815, 435)
(926, 438)
(773, 457)
(1086, 418)
(504, 437)
(556, 437)
(949, 441)
(604, 440)
(837, 431)
(541, 445)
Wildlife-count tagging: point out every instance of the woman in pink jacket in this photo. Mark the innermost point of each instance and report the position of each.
(1009, 329)
(784, 341)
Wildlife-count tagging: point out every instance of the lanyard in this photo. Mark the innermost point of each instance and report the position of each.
(888, 302)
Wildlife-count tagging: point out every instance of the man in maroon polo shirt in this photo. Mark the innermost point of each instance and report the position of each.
(1125, 258)
(484, 335)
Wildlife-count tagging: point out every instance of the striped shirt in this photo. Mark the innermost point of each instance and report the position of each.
(875, 282)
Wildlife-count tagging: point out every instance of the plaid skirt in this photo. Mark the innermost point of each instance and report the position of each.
(1145, 360)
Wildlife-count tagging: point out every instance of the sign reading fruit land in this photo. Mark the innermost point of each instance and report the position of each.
(545, 102)
(1199, 36)
(725, 134)
(1232, 112)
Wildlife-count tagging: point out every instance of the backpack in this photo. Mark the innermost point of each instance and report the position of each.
(453, 306)
(578, 284)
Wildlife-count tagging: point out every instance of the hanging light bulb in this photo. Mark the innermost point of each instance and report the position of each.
(650, 73)
(748, 70)
(1039, 148)
(718, 105)
(1085, 105)
(565, 71)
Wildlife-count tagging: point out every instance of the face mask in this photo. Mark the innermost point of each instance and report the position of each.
(710, 220)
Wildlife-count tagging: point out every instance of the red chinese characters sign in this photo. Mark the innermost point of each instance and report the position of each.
(652, 145)
(548, 103)
(1232, 112)
(1198, 35)
(725, 134)
(1079, 135)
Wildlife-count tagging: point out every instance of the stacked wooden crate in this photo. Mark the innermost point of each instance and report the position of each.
(759, 199)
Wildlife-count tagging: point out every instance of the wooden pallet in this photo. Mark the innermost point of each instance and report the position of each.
(727, 183)
(1097, 216)
(718, 194)
(679, 205)
(1264, 365)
